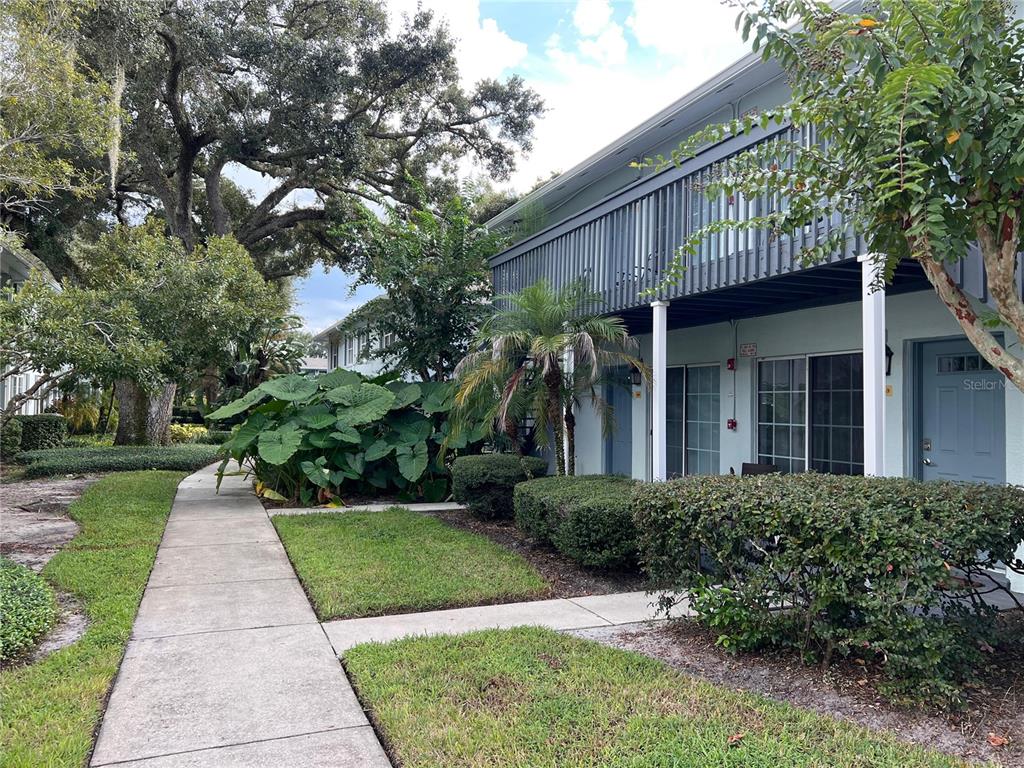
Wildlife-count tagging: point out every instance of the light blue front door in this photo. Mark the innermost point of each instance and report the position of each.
(619, 444)
(962, 424)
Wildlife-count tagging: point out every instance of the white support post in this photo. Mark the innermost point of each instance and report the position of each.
(659, 368)
(873, 332)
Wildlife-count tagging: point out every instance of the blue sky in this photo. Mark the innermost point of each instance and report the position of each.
(602, 67)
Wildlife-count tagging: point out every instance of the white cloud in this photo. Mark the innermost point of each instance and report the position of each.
(609, 48)
(592, 16)
(680, 29)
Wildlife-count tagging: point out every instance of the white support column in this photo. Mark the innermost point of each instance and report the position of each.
(659, 368)
(873, 333)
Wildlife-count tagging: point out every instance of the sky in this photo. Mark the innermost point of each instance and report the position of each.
(601, 66)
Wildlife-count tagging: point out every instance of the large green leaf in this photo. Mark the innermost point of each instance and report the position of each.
(363, 403)
(437, 397)
(235, 407)
(276, 446)
(378, 450)
(317, 472)
(339, 377)
(245, 434)
(292, 387)
(412, 461)
(317, 416)
(405, 394)
(322, 439)
(435, 490)
(356, 462)
(347, 434)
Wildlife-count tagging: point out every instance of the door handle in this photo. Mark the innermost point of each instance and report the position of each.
(927, 462)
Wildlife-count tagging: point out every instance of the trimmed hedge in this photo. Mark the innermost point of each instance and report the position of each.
(215, 437)
(10, 439)
(484, 483)
(889, 570)
(27, 609)
(43, 430)
(587, 518)
(74, 461)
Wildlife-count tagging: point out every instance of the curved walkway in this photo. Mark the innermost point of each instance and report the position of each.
(228, 666)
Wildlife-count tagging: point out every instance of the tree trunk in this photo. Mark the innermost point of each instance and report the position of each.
(143, 417)
(570, 440)
(553, 382)
(105, 411)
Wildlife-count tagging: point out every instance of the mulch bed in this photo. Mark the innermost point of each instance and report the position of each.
(567, 578)
(991, 728)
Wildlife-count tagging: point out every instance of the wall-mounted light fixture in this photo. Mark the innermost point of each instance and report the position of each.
(634, 375)
(888, 360)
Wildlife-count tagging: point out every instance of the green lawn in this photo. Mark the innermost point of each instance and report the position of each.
(534, 697)
(397, 561)
(50, 709)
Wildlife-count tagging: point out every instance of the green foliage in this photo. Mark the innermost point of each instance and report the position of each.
(10, 438)
(44, 430)
(587, 518)
(911, 132)
(27, 609)
(320, 438)
(55, 110)
(484, 483)
(888, 570)
(434, 270)
(517, 371)
(52, 708)
(76, 461)
(187, 433)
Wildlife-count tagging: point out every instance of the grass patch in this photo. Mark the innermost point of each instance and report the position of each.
(27, 609)
(51, 708)
(534, 697)
(397, 561)
(122, 458)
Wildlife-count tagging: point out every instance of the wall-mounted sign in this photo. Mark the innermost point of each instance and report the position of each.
(749, 349)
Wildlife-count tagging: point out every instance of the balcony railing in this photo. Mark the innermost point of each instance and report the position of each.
(624, 245)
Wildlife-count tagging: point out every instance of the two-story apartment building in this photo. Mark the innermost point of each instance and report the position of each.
(756, 357)
(351, 341)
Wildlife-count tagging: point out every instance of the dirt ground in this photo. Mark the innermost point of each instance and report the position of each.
(567, 579)
(991, 728)
(34, 526)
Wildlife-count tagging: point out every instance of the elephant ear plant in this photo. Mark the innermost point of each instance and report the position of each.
(319, 439)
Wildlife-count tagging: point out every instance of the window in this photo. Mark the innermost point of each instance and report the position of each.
(692, 414)
(333, 356)
(781, 413)
(961, 363)
(350, 350)
(837, 414)
(702, 420)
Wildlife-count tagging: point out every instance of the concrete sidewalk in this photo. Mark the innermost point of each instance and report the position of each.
(227, 665)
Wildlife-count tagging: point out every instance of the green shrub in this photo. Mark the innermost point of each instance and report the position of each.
(44, 430)
(75, 461)
(484, 483)
(588, 518)
(10, 439)
(215, 437)
(187, 433)
(312, 439)
(27, 609)
(886, 569)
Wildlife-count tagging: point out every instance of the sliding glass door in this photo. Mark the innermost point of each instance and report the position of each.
(693, 416)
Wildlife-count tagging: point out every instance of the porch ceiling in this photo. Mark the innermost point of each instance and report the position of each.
(819, 286)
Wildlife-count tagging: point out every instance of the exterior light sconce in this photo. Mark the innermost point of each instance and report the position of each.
(634, 376)
(888, 360)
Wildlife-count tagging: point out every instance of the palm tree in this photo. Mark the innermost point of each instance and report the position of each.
(538, 355)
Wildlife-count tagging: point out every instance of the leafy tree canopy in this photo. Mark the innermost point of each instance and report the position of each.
(321, 98)
(918, 111)
(433, 267)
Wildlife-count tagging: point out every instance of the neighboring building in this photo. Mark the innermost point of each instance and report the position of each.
(15, 266)
(756, 357)
(313, 365)
(350, 341)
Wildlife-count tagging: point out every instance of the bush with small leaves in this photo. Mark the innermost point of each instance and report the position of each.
(484, 483)
(10, 439)
(888, 570)
(27, 609)
(43, 430)
(187, 457)
(587, 518)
